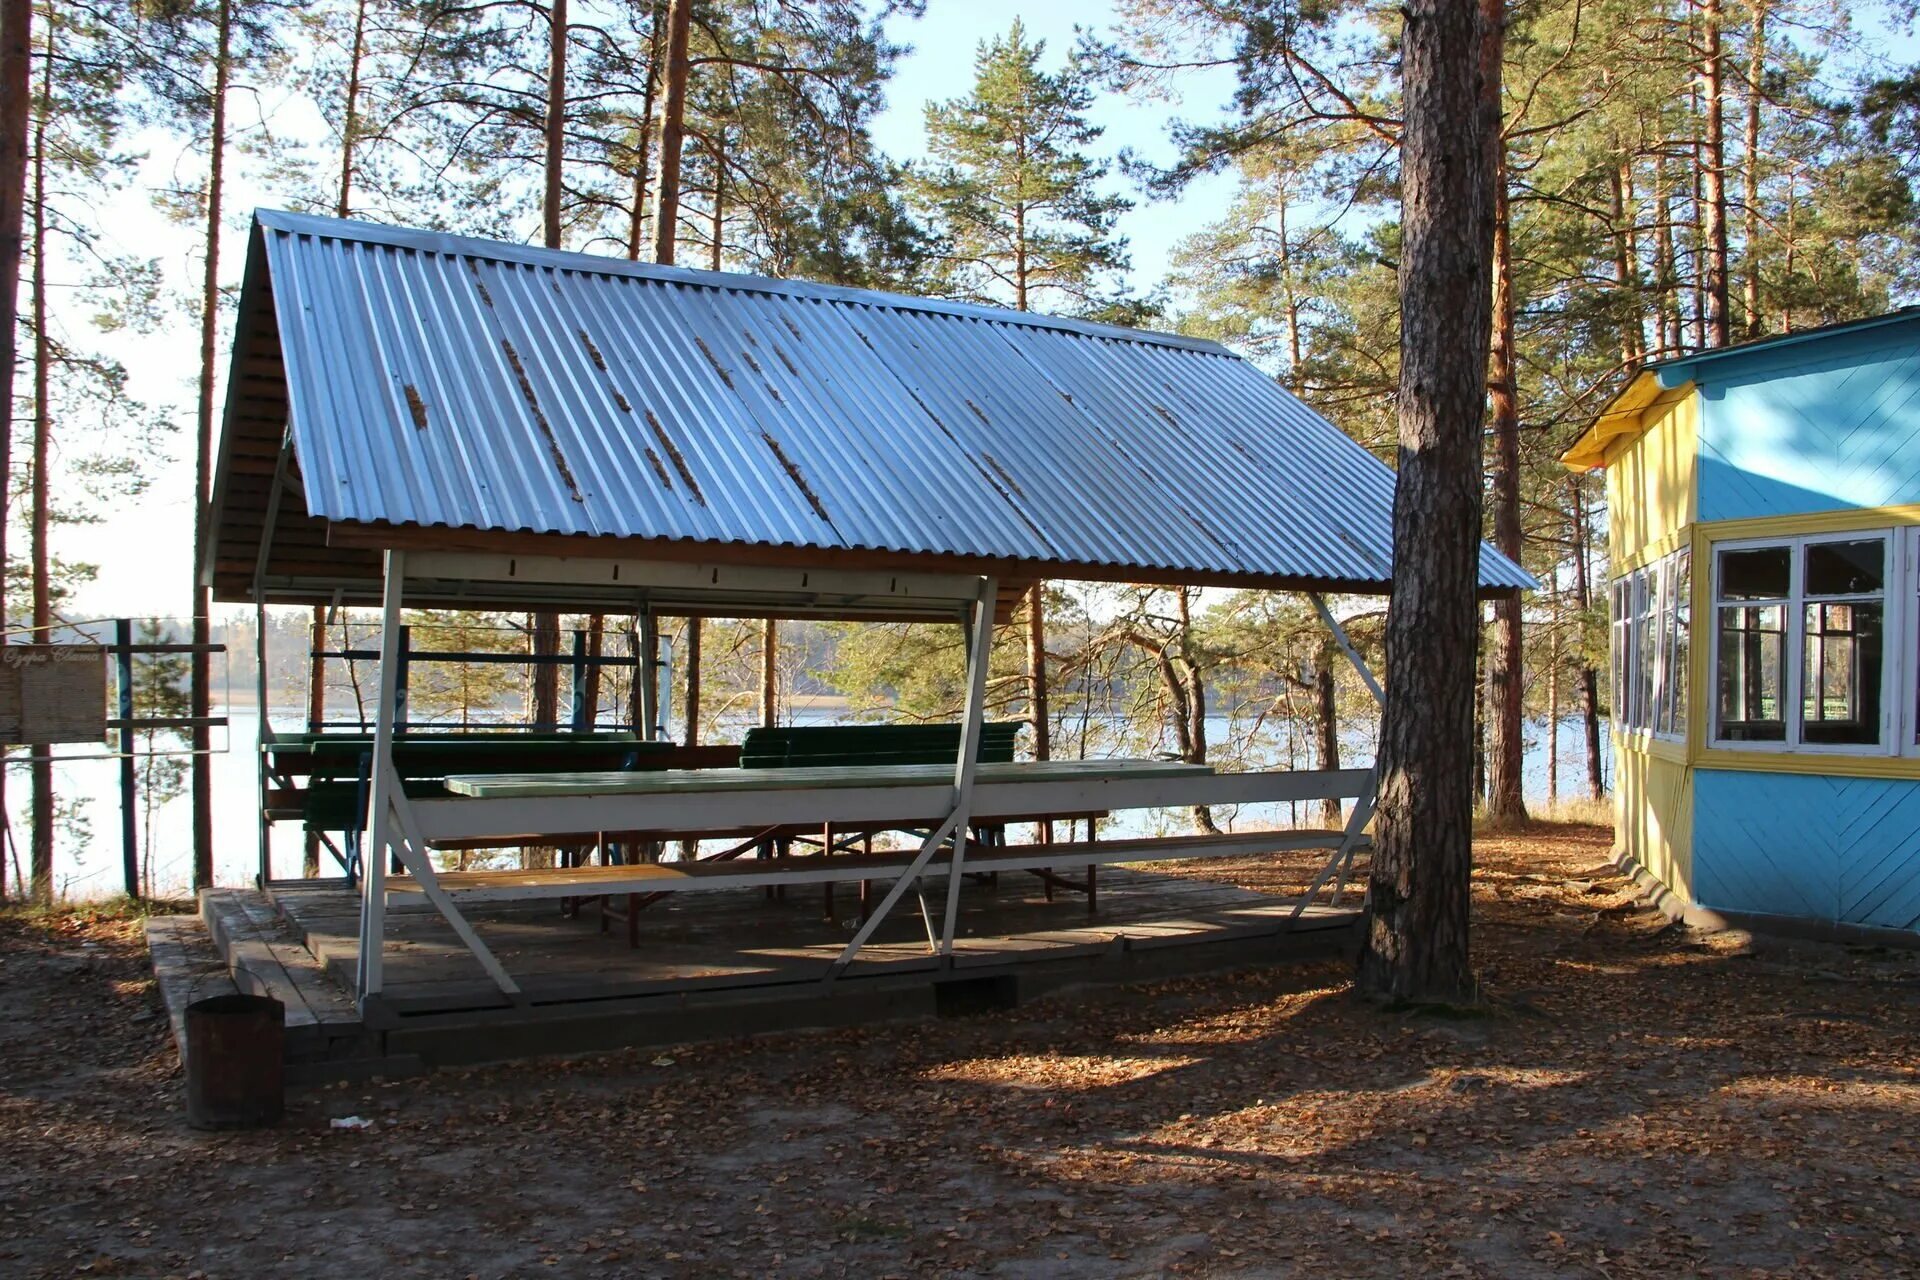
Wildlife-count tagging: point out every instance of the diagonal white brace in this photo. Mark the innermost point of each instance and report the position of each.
(934, 840)
(1342, 857)
(1346, 646)
(412, 853)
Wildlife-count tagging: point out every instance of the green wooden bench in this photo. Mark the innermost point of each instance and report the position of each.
(324, 781)
(866, 745)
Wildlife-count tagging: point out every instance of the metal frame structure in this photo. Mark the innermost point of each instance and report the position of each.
(402, 831)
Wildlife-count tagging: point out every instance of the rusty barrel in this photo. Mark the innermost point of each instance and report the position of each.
(236, 1076)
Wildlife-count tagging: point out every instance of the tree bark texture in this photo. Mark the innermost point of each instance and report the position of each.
(770, 672)
(1506, 659)
(1326, 722)
(544, 628)
(201, 695)
(41, 805)
(673, 130)
(1750, 242)
(1713, 179)
(1589, 678)
(1038, 711)
(16, 112)
(1416, 943)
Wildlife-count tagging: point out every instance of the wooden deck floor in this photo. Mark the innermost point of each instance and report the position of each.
(738, 938)
(719, 963)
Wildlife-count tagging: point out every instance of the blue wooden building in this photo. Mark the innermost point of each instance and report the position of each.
(1764, 532)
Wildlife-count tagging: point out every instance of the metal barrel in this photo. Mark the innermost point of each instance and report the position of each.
(236, 1075)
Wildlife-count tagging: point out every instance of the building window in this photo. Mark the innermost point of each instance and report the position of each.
(1652, 612)
(1799, 635)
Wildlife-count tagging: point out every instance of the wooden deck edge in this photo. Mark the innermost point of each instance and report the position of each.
(474, 1037)
(186, 967)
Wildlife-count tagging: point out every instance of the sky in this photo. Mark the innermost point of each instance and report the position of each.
(143, 550)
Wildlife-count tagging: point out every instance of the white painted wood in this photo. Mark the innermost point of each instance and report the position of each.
(1346, 646)
(693, 811)
(846, 871)
(413, 855)
(967, 768)
(373, 869)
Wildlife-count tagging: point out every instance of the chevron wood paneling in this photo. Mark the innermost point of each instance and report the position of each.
(1830, 848)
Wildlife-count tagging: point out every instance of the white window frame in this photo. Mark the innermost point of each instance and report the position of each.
(1896, 606)
(1644, 612)
(1903, 626)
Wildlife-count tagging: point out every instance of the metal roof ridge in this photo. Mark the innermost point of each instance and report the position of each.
(452, 245)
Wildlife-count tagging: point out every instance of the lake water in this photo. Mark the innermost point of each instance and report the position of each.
(88, 861)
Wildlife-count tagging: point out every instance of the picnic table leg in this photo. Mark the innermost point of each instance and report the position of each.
(633, 921)
(1093, 889)
(866, 886)
(1046, 837)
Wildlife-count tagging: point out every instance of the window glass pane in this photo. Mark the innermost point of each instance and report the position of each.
(1644, 642)
(1682, 620)
(1841, 674)
(1618, 596)
(1846, 568)
(1764, 573)
(1752, 671)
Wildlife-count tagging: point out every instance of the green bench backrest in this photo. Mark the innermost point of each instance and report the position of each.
(869, 745)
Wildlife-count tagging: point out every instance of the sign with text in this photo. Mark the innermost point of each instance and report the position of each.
(52, 693)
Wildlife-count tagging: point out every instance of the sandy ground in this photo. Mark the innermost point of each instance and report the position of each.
(1637, 1100)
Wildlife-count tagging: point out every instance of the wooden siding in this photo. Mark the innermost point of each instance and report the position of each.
(1653, 815)
(1650, 480)
(1824, 426)
(1820, 847)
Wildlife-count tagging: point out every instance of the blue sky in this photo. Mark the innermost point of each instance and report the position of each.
(143, 550)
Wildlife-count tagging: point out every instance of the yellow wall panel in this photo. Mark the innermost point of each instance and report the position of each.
(1651, 493)
(1653, 816)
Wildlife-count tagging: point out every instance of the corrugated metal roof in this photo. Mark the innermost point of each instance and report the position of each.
(441, 381)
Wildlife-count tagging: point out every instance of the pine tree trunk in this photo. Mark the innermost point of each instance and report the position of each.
(350, 122)
(1326, 722)
(770, 672)
(1750, 240)
(590, 675)
(1589, 678)
(694, 627)
(1665, 270)
(1553, 703)
(202, 693)
(643, 157)
(673, 130)
(40, 857)
(1713, 177)
(1506, 800)
(1626, 267)
(16, 118)
(544, 628)
(1038, 711)
(1416, 944)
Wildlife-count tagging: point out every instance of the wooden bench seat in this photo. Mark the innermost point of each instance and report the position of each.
(672, 877)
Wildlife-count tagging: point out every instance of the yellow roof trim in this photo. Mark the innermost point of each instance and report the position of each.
(1623, 418)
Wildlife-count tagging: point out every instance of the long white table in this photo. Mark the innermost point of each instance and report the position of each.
(693, 801)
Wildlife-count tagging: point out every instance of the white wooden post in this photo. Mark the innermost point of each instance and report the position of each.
(264, 734)
(373, 858)
(954, 825)
(979, 657)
